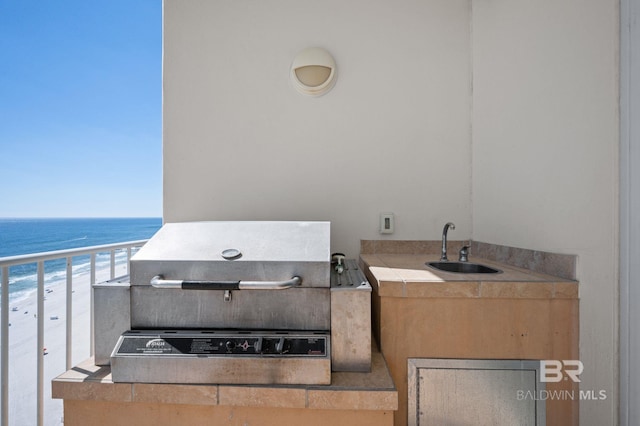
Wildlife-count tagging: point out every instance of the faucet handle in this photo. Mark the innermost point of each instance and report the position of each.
(464, 254)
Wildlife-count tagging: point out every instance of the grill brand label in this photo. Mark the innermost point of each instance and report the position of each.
(155, 344)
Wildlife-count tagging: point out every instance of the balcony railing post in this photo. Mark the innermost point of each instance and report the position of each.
(69, 315)
(92, 281)
(112, 270)
(40, 345)
(4, 342)
(128, 259)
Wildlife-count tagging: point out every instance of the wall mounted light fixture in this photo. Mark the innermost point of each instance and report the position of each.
(313, 71)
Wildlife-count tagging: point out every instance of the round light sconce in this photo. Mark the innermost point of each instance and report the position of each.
(313, 71)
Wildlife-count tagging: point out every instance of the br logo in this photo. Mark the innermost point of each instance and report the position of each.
(555, 371)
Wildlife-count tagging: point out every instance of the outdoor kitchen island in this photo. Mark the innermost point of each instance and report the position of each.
(235, 323)
(524, 312)
(91, 398)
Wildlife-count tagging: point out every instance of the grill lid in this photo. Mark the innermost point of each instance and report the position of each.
(236, 252)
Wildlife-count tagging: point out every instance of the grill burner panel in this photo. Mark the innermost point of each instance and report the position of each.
(188, 343)
(222, 357)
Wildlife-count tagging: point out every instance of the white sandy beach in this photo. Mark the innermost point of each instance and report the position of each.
(23, 346)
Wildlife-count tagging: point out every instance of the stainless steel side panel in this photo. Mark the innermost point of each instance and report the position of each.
(111, 310)
(270, 251)
(351, 321)
(292, 309)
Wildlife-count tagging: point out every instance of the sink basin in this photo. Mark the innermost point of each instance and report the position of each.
(463, 267)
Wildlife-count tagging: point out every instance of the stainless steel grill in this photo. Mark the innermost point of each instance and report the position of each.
(232, 302)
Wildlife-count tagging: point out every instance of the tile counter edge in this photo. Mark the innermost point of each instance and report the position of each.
(351, 391)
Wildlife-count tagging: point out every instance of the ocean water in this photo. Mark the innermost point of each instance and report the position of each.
(27, 236)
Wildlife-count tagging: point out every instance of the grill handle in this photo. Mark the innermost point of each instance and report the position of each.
(159, 282)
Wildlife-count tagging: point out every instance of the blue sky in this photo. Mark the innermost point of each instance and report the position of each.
(80, 108)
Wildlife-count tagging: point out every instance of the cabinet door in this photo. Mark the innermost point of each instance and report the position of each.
(474, 392)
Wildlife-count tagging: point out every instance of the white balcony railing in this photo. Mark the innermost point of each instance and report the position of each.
(39, 259)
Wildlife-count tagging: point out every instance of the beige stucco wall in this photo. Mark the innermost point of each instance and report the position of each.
(545, 148)
(527, 157)
(392, 136)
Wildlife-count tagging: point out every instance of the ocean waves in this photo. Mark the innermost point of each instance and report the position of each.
(23, 279)
(30, 236)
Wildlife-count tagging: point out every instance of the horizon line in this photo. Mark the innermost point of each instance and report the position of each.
(80, 217)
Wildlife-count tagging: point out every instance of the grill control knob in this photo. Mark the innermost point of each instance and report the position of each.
(230, 345)
(280, 345)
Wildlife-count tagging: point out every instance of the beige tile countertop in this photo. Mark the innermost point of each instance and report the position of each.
(407, 275)
(351, 391)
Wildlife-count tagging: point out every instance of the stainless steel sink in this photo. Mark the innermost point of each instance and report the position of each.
(463, 267)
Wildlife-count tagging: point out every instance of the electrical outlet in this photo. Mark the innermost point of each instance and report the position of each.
(386, 223)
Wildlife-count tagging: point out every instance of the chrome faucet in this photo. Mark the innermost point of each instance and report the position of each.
(443, 257)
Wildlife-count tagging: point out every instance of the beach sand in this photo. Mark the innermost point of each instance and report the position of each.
(23, 345)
